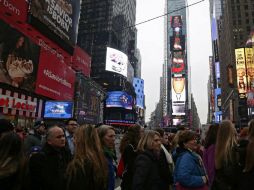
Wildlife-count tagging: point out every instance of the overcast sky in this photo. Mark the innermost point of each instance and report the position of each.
(151, 45)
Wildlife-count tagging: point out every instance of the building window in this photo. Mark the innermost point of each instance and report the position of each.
(246, 7)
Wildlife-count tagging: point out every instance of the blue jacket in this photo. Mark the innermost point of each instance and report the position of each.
(189, 170)
(111, 173)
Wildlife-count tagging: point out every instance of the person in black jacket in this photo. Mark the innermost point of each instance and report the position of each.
(88, 169)
(227, 167)
(247, 177)
(47, 168)
(128, 152)
(146, 169)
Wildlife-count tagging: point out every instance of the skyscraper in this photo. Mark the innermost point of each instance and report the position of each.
(234, 21)
(109, 23)
(177, 63)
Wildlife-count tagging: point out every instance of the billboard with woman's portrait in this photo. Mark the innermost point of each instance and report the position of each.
(19, 57)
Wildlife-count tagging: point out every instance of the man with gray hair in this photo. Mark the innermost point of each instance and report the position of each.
(47, 167)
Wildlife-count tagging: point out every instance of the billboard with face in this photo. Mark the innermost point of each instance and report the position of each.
(60, 16)
(116, 61)
(178, 63)
(178, 96)
(249, 57)
(241, 72)
(19, 58)
(176, 21)
(177, 43)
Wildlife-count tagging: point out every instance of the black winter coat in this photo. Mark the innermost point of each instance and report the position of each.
(84, 179)
(129, 156)
(146, 172)
(47, 168)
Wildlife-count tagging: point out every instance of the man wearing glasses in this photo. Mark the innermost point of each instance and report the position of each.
(71, 125)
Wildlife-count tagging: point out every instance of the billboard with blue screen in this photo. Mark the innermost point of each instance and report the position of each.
(58, 109)
(138, 85)
(119, 99)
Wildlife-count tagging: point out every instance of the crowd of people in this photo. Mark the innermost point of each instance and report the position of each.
(84, 157)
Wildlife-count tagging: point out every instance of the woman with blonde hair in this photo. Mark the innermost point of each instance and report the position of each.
(226, 158)
(107, 138)
(88, 169)
(146, 171)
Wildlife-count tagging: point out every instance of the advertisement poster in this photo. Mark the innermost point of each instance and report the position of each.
(81, 61)
(58, 109)
(249, 57)
(178, 96)
(176, 21)
(116, 61)
(119, 99)
(55, 79)
(88, 101)
(19, 58)
(241, 72)
(60, 16)
(177, 43)
(178, 63)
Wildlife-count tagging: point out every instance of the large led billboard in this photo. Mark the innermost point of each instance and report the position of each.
(19, 58)
(61, 17)
(241, 72)
(178, 63)
(176, 21)
(177, 43)
(249, 58)
(116, 61)
(178, 96)
(58, 109)
(119, 99)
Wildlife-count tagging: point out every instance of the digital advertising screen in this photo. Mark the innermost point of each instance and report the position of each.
(119, 99)
(19, 58)
(116, 61)
(177, 43)
(249, 57)
(241, 72)
(178, 63)
(178, 95)
(58, 109)
(60, 16)
(176, 21)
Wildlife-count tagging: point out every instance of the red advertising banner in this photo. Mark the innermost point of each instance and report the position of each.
(55, 79)
(14, 10)
(81, 61)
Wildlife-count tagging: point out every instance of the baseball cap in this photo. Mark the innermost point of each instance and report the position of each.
(38, 123)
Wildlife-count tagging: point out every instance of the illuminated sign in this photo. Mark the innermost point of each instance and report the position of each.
(241, 72)
(116, 61)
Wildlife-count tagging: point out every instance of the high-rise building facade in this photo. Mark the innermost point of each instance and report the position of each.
(177, 63)
(232, 21)
(110, 24)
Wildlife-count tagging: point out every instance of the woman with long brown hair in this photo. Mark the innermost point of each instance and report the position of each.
(88, 169)
(247, 179)
(128, 152)
(226, 158)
